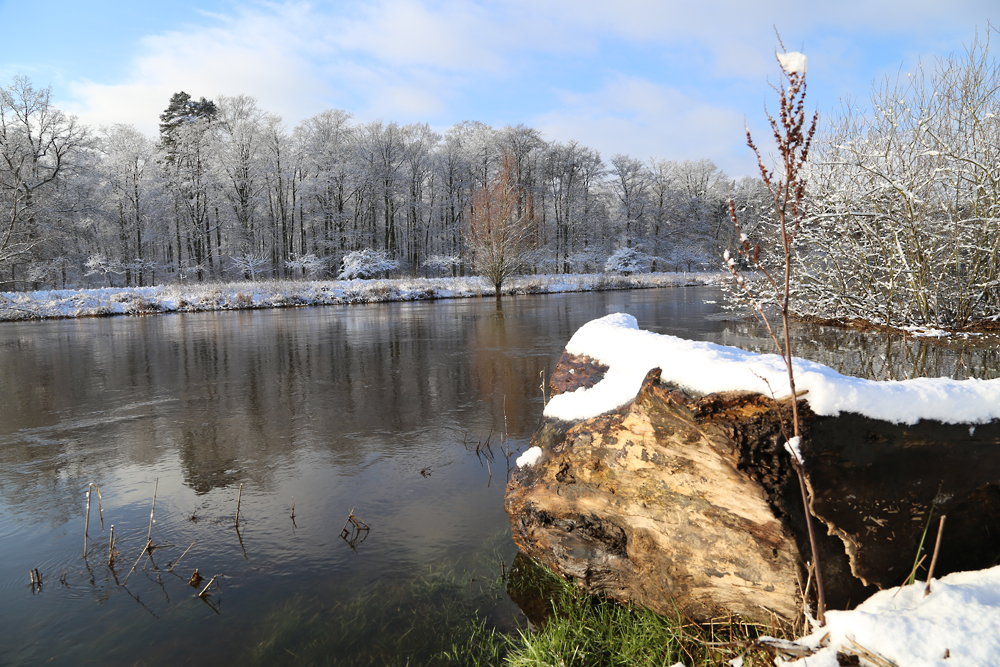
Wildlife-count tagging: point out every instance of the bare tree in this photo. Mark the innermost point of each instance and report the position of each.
(499, 236)
(37, 142)
(793, 133)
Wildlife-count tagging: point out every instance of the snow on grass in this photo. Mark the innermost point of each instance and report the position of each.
(957, 624)
(280, 293)
(704, 368)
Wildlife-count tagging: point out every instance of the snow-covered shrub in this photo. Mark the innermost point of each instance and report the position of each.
(442, 263)
(904, 206)
(627, 261)
(366, 263)
(309, 263)
(250, 264)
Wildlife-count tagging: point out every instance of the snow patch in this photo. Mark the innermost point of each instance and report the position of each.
(793, 62)
(957, 624)
(792, 447)
(629, 353)
(530, 457)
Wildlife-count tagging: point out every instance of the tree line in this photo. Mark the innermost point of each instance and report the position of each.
(228, 191)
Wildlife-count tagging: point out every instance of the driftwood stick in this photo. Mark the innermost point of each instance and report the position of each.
(149, 535)
(144, 550)
(86, 523)
(239, 498)
(100, 508)
(937, 547)
(349, 517)
(211, 581)
(182, 556)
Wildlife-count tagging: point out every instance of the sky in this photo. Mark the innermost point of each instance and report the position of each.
(654, 79)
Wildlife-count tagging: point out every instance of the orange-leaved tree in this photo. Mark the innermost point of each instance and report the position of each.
(501, 230)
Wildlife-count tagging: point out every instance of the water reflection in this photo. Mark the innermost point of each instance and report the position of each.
(873, 355)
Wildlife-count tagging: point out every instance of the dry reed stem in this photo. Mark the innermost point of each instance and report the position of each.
(937, 547)
(149, 535)
(211, 581)
(111, 547)
(86, 524)
(239, 498)
(182, 556)
(874, 658)
(100, 512)
(144, 550)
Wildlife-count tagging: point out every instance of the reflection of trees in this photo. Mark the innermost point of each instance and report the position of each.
(236, 396)
(504, 373)
(876, 356)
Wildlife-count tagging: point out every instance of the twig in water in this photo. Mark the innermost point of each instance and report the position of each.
(211, 581)
(111, 547)
(100, 512)
(149, 535)
(937, 547)
(353, 537)
(179, 559)
(144, 550)
(239, 498)
(36, 579)
(542, 386)
(86, 523)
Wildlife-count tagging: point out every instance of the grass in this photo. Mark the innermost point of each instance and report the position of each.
(585, 631)
(445, 617)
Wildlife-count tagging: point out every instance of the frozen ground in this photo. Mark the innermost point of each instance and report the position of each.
(282, 293)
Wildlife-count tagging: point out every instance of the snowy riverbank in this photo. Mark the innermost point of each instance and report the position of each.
(45, 304)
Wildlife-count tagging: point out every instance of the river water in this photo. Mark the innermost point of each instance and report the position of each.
(401, 412)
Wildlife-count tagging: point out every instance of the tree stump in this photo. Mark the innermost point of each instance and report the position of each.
(690, 504)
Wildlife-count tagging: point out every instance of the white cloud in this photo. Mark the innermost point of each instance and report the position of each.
(262, 54)
(684, 94)
(647, 120)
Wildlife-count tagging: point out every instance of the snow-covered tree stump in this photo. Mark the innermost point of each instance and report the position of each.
(688, 503)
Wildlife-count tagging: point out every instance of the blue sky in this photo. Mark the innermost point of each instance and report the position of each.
(654, 79)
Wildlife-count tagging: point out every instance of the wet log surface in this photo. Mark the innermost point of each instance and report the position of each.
(690, 503)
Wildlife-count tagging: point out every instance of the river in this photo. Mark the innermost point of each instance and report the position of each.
(401, 412)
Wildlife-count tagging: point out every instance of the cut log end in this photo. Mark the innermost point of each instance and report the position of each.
(689, 504)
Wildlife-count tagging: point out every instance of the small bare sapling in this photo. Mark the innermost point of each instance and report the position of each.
(786, 184)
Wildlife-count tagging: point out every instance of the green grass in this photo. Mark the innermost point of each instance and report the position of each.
(456, 617)
(586, 631)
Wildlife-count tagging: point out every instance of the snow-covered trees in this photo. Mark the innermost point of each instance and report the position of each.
(367, 263)
(905, 199)
(37, 146)
(627, 261)
(129, 171)
(186, 153)
(502, 229)
(229, 192)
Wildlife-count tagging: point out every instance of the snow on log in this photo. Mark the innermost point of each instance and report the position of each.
(682, 496)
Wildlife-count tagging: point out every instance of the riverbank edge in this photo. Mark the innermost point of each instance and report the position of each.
(245, 295)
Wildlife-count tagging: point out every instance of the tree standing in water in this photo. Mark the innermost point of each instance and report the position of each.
(502, 230)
